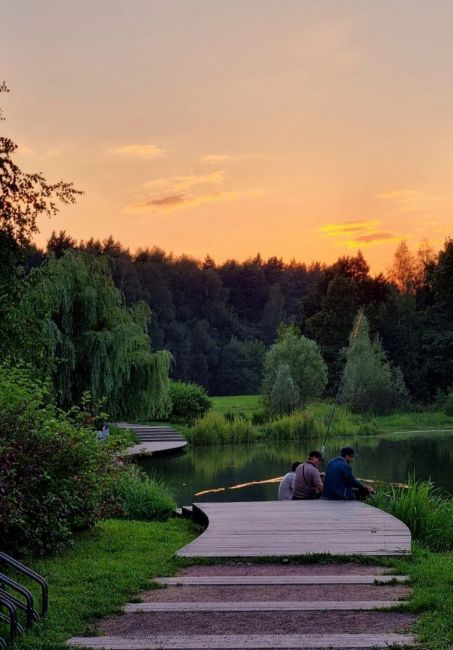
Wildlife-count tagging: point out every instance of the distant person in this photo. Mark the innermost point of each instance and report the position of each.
(104, 433)
(285, 489)
(308, 482)
(340, 483)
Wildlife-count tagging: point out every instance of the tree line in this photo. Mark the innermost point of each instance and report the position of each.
(218, 320)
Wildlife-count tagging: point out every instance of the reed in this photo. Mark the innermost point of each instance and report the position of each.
(424, 509)
(141, 497)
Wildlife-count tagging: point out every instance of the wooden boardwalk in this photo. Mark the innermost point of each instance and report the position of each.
(153, 440)
(289, 528)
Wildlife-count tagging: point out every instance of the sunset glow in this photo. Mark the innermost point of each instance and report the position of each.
(304, 130)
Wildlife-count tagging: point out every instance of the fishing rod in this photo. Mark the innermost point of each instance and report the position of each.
(355, 334)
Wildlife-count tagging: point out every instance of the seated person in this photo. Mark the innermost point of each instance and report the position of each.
(104, 433)
(339, 482)
(285, 489)
(308, 482)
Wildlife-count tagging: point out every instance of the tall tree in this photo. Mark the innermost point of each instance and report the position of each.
(306, 366)
(370, 384)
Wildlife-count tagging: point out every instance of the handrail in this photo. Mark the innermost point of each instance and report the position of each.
(7, 559)
(27, 607)
(14, 627)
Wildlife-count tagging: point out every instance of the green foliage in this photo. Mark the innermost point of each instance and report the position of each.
(370, 384)
(298, 425)
(241, 366)
(284, 394)
(88, 341)
(189, 401)
(141, 497)
(307, 369)
(432, 596)
(54, 477)
(427, 513)
(215, 429)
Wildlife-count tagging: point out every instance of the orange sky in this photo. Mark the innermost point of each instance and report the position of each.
(303, 129)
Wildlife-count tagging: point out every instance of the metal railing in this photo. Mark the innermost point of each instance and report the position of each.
(15, 598)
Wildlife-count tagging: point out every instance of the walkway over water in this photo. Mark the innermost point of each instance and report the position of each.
(288, 528)
(153, 440)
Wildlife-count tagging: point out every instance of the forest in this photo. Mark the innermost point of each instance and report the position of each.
(218, 320)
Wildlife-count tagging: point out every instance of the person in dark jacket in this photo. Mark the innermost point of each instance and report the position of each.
(339, 482)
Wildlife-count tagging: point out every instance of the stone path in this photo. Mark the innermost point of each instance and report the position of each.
(243, 605)
(153, 439)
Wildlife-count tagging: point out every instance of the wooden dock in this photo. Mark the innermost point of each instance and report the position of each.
(291, 528)
(153, 440)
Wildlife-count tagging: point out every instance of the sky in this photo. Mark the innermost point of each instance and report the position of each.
(305, 129)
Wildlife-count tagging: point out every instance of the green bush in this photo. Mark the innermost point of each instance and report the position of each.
(215, 429)
(427, 513)
(190, 401)
(141, 497)
(54, 477)
(300, 424)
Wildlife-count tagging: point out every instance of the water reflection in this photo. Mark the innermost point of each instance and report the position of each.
(385, 458)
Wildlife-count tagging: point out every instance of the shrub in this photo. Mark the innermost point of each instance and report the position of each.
(260, 417)
(214, 429)
(190, 401)
(300, 424)
(424, 510)
(54, 477)
(141, 497)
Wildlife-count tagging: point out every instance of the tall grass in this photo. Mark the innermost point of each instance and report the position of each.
(141, 497)
(300, 424)
(422, 507)
(215, 429)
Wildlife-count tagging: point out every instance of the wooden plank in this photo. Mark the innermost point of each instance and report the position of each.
(282, 580)
(238, 641)
(263, 606)
(248, 529)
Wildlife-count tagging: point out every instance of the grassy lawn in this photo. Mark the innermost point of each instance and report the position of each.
(245, 404)
(399, 421)
(106, 568)
(432, 598)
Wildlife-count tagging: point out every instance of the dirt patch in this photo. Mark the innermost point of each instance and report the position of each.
(282, 569)
(278, 593)
(147, 623)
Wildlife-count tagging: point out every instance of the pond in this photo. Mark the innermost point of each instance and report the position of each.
(222, 471)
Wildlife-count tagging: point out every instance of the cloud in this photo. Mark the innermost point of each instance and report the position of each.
(46, 154)
(397, 194)
(361, 233)
(214, 159)
(375, 237)
(140, 150)
(174, 201)
(184, 183)
(347, 227)
(409, 200)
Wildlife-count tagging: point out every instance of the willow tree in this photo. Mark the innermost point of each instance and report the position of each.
(93, 343)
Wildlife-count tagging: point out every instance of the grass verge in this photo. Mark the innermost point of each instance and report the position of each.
(106, 567)
(432, 598)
